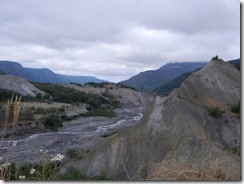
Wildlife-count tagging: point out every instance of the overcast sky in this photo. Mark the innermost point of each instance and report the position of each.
(116, 39)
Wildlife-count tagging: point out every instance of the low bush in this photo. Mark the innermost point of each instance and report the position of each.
(215, 112)
(27, 114)
(40, 110)
(236, 108)
(67, 118)
(71, 153)
(70, 95)
(53, 122)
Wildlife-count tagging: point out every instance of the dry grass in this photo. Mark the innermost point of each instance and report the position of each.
(218, 169)
(10, 119)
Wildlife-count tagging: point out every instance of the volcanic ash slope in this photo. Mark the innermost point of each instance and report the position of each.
(190, 135)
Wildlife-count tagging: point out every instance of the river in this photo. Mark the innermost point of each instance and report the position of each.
(80, 134)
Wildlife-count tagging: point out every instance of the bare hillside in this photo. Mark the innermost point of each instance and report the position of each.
(18, 85)
(125, 96)
(193, 134)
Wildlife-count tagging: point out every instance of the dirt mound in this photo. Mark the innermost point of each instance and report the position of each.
(18, 85)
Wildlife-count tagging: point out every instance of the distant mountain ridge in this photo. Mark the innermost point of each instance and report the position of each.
(79, 79)
(166, 88)
(148, 80)
(16, 69)
(43, 75)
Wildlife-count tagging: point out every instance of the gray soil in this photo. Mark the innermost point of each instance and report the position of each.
(79, 134)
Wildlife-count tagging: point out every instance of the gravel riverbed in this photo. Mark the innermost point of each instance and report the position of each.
(80, 133)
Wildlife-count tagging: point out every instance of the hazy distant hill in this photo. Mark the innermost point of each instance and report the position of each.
(16, 69)
(236, 62)
(166, 88)
(148, 80)
(43, 75)
(1, 72)
(79, 79)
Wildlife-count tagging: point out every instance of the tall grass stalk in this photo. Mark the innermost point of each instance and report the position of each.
(11, 112)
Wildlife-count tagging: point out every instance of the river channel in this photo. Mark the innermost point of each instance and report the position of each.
(80, 133)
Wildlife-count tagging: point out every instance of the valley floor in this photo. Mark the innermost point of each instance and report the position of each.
(79, 134)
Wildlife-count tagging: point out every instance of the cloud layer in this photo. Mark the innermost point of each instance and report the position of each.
(114, 40)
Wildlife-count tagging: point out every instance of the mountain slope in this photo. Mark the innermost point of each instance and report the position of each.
(148, 80)
(19, 85)
(78, 79)
(236, 62)
(16, 69)
(44, 75)
(166, 88)
(178, 136)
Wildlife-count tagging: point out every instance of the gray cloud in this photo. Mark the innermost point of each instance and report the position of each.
(117, 39)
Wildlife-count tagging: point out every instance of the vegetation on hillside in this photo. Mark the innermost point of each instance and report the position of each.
(72, 96)
(166, 88)
(7, 94)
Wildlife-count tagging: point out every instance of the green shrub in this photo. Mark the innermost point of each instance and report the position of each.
(40, 110)
(53, 122)
(39, 96)
(44, 170)
(94, 101)
(51, 110)
(27, 114)
(72, 153)
(215, 112)
(69, 95)
(88, 108)
(67, 118)
(236, 108)
(108, 95)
